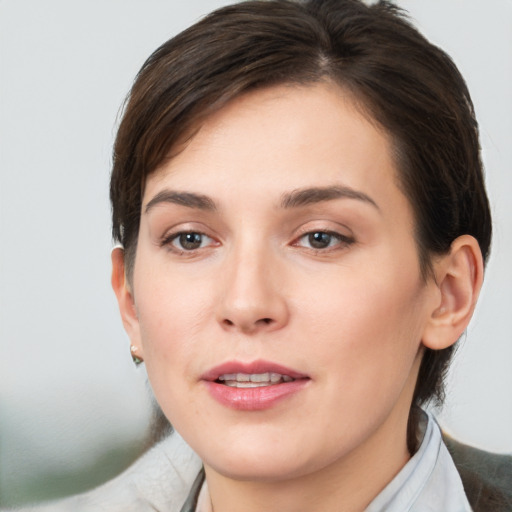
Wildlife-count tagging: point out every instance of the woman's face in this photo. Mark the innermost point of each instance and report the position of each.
(278, 296)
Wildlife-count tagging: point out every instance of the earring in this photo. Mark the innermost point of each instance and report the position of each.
(136, 358)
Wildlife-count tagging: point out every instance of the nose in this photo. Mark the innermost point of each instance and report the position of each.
(252, 299)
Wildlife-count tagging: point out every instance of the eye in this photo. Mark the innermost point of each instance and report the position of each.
(319, 240)
(188, 241)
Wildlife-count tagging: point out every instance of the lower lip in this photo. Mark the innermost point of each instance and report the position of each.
(254, 399)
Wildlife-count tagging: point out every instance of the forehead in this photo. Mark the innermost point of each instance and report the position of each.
(316, 133)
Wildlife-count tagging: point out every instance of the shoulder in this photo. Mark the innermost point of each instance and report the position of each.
(486, 476)
(159, 480)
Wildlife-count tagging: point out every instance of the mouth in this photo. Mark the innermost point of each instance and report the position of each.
(253, 386)
(253, 380)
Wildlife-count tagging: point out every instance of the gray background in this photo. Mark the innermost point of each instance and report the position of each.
(68, 391)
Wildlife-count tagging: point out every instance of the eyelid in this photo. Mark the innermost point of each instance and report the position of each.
(334, 228)
(187, 226)
(179, 234)
(344, 240)
(171, 234)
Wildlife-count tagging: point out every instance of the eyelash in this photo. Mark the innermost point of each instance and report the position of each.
(341, 241)
(168, 241)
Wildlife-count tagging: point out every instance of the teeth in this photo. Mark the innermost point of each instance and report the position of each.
(275, 377)
(257, 377)
(236, 384)
(253, 380)
(228, 376)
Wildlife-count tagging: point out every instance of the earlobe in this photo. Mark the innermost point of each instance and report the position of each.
(125, 300)
(459, 277)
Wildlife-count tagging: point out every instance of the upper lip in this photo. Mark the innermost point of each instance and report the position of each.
(254, 367)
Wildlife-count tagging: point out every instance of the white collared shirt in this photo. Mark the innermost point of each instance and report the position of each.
(429, 482)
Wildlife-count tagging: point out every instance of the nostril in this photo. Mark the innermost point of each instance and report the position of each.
(262, 321)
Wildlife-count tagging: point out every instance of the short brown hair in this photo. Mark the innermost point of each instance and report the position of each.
(407, 85)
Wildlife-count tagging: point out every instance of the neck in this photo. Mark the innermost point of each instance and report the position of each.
(346, 485)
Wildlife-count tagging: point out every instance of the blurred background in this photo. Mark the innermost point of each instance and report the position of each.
(73, 409)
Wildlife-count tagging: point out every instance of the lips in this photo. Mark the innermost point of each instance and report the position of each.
(252, 386)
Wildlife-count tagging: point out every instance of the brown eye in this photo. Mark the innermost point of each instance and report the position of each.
(320, 239)
(190, 241)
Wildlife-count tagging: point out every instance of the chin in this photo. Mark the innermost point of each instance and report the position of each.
(258, 470)
(260, 462)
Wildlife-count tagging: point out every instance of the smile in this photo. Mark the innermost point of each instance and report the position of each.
(253, 380)
(254, 386)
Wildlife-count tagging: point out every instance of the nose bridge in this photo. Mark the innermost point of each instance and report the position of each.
(252, 298)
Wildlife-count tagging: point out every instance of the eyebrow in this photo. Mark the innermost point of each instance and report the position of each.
(294, 199)
(188, 199)
(307, 196)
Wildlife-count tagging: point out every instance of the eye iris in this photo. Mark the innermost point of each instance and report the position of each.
(319, 240)
(190, 241)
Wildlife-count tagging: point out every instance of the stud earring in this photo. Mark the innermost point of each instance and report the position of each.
(136, 358)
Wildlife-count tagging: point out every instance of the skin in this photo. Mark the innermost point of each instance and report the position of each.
(353, 315)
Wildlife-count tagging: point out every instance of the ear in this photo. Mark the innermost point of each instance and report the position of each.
(459, 277)
(125, 300)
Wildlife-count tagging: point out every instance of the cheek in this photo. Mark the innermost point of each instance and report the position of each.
(369, 325)
(169, 333)
(172, 315)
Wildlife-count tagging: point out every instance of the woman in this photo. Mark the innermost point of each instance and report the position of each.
(299, 196)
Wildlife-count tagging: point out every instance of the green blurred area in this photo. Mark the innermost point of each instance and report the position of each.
(52, 485)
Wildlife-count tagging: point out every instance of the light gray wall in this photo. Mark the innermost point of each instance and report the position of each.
(67, 385)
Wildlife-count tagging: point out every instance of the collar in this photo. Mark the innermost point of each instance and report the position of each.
(428, 482)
